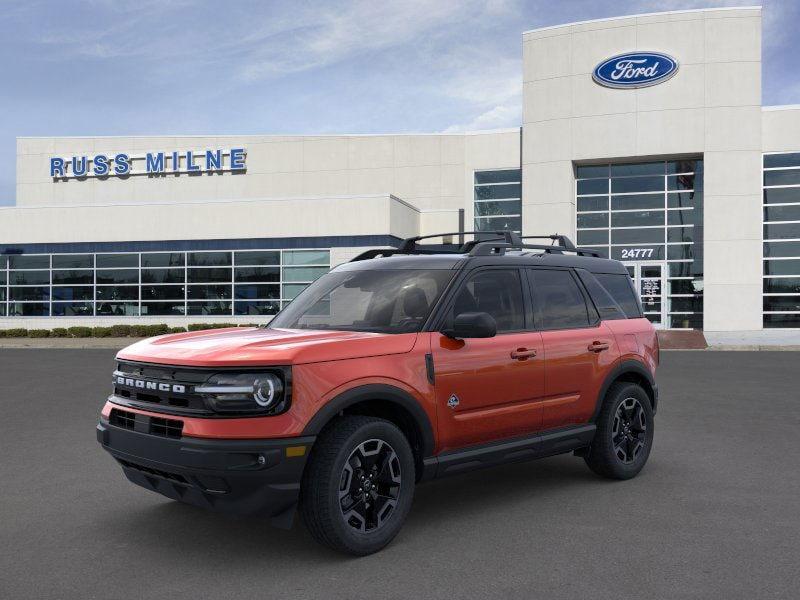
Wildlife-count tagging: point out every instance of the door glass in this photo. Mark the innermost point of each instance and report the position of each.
(497, 292)
(651, 271)
(650, 291)
(559, 302)
(648, 280)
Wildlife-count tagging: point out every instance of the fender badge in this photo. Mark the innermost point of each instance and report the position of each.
(452, 401)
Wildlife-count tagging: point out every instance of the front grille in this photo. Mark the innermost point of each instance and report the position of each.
(161, 388)
(157, 472)
(171, 428)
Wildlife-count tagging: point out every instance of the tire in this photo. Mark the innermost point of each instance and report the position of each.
(333, 504)
(624, 434)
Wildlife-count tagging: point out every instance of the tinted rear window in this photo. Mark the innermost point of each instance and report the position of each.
(621, 289)
(608, 307)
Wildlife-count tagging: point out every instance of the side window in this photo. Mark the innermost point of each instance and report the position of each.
(497, 292)
(558, 300)
(608, 307)
(620, 287)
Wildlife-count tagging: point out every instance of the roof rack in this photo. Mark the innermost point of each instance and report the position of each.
(505, 240)
(409, 245)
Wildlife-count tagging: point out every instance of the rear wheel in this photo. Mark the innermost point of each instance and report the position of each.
(358, 486)
(624, 435)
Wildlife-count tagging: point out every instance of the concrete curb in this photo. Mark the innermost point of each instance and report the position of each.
(737, 348)
(755, 347)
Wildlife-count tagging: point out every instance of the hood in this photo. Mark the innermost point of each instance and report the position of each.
(240, 346)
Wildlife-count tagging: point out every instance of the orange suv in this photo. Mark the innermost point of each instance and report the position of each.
(400, 366)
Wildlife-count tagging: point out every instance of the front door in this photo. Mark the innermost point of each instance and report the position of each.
(489, 388)
(649, 279)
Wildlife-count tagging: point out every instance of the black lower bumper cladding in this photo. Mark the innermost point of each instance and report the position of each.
(243, 477)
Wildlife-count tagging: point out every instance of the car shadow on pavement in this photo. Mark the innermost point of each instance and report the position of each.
(172, 528)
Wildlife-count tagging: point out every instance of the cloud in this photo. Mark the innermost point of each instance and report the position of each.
(497, 117)
(332, 35)
(493, 94)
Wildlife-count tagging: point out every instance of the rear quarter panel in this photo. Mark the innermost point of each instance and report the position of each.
(637, 340)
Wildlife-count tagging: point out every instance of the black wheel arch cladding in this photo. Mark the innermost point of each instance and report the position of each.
(371, 397)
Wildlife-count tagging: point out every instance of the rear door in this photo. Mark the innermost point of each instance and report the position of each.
(489, 388)
(579, 347)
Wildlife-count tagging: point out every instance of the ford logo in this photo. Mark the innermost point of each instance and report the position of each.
(635, 70)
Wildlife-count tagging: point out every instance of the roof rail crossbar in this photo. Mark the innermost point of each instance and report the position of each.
(486, 247)
(558, 239)
(409, 245)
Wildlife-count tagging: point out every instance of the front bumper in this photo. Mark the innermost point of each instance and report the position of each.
(245, 477)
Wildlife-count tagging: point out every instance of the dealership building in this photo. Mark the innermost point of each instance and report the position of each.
(643, 137)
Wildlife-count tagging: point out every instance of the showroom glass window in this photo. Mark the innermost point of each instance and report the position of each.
(781, 302)
(498, 200)
(649, 212)
(130, 284)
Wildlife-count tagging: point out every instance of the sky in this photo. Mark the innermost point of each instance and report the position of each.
(172, 67)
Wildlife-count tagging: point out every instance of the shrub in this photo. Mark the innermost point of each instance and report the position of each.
(101, 332)
(59, 332)
(177, 330)
(80, 332)
(120, 330)
(159, 329)
(16, 332)
(202, 326)
(38, 333)
(138, 331)
(149, 330)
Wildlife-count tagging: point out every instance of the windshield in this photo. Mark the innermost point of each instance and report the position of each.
(396, 301)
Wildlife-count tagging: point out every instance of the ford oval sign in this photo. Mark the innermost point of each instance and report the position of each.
(635, 70)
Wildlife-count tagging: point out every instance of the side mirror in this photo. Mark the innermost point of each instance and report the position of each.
(472, 325)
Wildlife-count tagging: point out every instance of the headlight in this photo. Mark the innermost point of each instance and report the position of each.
(244, 393)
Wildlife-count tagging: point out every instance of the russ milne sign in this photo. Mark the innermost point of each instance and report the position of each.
(635, 70)
(152, 163)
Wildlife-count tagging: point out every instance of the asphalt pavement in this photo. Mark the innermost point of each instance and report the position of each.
(714, 514)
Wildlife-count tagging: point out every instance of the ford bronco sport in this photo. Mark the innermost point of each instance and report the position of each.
(400, 366)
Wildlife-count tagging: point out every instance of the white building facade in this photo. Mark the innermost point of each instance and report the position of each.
(664, 158)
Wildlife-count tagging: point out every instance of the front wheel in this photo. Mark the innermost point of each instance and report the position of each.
(624, 435)
(358, 486)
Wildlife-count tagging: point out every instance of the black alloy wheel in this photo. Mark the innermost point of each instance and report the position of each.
(624, 435)
(629, 432)
(370, 485)
(358, 484)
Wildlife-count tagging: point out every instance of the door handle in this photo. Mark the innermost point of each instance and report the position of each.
(522, 353)
(598, 346)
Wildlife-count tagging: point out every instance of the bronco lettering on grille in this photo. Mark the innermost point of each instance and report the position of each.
(143, 384)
